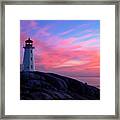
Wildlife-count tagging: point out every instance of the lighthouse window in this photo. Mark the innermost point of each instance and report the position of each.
(31, 66)
(31, 58)
(31, 51)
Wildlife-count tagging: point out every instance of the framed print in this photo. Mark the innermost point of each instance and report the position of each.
(60, 59)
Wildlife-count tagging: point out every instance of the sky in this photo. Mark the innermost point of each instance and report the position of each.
(66, 47)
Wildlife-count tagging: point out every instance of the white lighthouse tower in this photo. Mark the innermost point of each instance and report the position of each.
(28, 60)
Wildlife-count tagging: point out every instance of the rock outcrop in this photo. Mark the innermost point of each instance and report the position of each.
(49, 86)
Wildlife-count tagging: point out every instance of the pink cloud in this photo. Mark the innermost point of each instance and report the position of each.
(66, 32)
(53, 58)
(33, 24)
(62, 59)
(86, 36)
(65, 42)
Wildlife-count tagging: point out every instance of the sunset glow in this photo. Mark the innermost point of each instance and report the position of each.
(66, 47)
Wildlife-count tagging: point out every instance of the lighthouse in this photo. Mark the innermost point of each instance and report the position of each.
(28, 59)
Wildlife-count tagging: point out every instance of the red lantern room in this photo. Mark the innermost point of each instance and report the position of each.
(28, 42)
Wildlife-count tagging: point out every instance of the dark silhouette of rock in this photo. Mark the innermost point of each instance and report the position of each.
(49, 86)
